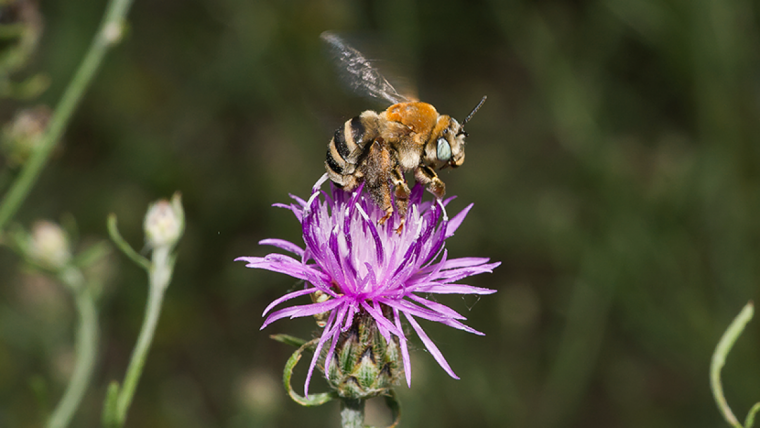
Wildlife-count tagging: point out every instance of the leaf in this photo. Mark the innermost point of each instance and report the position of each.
(313, 399)
(289, 340)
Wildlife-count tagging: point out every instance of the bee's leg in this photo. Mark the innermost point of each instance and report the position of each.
(402, 195)
(428, 178)
(377, 169)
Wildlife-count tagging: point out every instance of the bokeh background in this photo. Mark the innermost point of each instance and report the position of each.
(615, 172)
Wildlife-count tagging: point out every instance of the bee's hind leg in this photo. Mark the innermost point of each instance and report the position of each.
(402, 195)
(377, 169)
(428, 178)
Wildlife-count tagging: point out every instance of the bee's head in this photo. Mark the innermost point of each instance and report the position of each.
(446, 148)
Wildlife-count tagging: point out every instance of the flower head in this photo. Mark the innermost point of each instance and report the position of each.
(164, 222)
(49, 245)
(373, 270)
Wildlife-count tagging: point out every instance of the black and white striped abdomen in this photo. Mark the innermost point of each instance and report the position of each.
(346, 149)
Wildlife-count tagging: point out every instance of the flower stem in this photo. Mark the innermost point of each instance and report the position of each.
(352, 413)
(160, 275)
(108, 34)
(86, 349)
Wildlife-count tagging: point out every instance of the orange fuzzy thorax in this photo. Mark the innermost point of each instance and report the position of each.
(419, 116)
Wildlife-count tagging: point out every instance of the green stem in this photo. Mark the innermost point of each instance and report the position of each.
(107, 36)
(352, 413)
(125, 248)
(750, 421)
(86, 349)
(719, 360)
(160, 275)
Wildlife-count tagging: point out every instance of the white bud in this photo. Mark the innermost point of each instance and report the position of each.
(49, 245)
(21, 137)
(164, 222)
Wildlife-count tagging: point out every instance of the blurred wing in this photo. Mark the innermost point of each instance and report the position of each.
(358, 73)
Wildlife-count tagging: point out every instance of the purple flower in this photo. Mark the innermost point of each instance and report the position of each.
(365, 267)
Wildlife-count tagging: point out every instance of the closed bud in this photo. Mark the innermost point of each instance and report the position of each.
(364, 364)
(48, 245)
(23, 134)
(164, 222)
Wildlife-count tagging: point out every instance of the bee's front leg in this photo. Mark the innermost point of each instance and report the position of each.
(428, 178)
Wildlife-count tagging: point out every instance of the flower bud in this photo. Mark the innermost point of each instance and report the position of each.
(164, 222)
(364, 364)
(22, 135)
(48, 245)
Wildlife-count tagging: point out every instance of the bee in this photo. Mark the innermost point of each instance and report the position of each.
(378, 148)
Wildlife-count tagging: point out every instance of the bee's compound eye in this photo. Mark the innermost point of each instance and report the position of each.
(444, 150)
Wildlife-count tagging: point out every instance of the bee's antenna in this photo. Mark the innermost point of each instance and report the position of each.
(475, 110)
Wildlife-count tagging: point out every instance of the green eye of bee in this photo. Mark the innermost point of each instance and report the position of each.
(444, 150)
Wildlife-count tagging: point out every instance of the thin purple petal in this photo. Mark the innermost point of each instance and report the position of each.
(302, 311)
(338, 321)
(287, 297)
(457, 220)
(329, 326)
(404, 349)
(431, 346)
(283, 245)
(437, 307)
(452, 289)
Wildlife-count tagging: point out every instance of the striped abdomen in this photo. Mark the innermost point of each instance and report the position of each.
(347, 148)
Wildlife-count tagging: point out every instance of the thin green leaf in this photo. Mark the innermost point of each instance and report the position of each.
(288, 340)
(313, 399)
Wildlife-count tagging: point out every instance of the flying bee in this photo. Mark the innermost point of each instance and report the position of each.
(378, 148)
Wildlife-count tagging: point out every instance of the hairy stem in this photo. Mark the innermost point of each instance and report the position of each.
(160, 275)
(352, 413)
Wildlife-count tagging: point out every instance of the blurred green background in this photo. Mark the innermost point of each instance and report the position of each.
(615, 172)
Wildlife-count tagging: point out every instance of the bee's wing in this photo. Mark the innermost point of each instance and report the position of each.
(359, 73)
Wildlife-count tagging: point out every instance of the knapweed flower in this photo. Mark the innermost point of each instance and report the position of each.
(371, 270)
